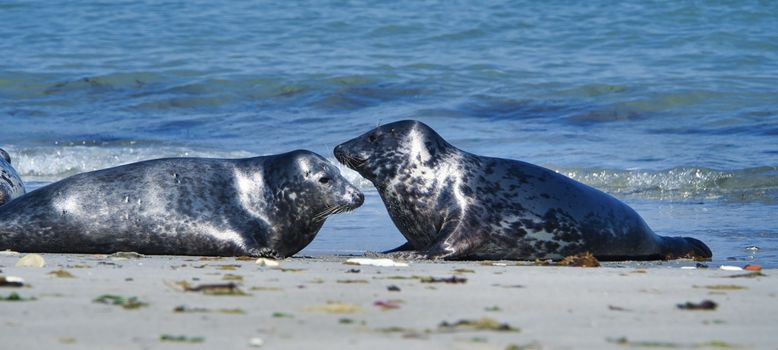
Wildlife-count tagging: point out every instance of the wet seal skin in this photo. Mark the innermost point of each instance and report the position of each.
(264, 206)
(11, 185)
(454, 205)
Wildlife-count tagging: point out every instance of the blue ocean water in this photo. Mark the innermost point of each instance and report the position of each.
(670, 106)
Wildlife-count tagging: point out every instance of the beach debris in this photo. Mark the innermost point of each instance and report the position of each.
(660, 344)
(290, 270)
(267, 262)
(462, 271)
(335, 307)
(706, 305)
(11, 281)
(219, 289)
(751, 274)
(130, 303)
(14, 297)
(256, 342)
(61, 274)
(9, 252)
(180, 339)
(723, 287)
(530, 346)
(375, 262)
(451, 280)
(507, 285)
(617, 308)
(484, 323)
(388, 304)
(393, 288)
(492, 263)
(730, 268)
(752, 248)
(353, 271)
(31, 260)
(580, 260)
(352, 281)
(232, 277)
(187, 309)
(226, 267)
(127, 255)
(66, 340)
(282, 315)
(752, 267)
(494, 308)
(345, 320)
(266, 289)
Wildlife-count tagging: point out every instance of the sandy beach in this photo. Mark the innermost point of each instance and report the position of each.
(162, 302)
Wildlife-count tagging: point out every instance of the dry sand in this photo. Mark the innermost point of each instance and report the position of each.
(322, 303)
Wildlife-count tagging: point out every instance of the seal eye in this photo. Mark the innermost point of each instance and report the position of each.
(372, 137)
(325, 180)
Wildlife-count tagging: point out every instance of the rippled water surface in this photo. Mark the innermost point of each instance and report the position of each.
(670, 106)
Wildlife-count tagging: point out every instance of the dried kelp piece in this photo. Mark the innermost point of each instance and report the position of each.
(212, 289)
(61, 274)
(335, 307)
(749, 275)
(461, 271)
(353, 281)
(187, 309)
(180, 339)
(452, 279)
(11, 281)
(617, 308)
(15, 297)
(232, 277)
(484, 323)
(580, 260)
(705, 305)
(130, 303)
(393, 288)
(722, 287)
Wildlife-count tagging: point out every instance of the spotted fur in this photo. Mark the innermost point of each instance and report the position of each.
(263, 206)
(450, 204)
(11, 185)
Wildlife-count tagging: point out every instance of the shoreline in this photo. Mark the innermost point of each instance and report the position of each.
(160, 302)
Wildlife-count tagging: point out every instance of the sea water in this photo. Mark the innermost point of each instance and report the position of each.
(670, 106)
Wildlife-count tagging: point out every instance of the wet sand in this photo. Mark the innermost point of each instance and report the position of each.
(167, 302)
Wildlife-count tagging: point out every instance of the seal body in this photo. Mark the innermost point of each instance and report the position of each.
(263, 206)
(450, 204)
(11, 185)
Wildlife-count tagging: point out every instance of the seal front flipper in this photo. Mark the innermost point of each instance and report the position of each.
(684, 247)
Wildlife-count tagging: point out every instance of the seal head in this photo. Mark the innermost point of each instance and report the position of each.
(11, 185)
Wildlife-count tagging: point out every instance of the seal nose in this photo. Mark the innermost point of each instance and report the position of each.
(360, 198)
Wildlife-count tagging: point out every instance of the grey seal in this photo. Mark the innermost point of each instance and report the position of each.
(454, 205)
(262, 206)
(11, 185)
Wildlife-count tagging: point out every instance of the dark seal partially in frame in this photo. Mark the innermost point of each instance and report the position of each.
(454, 205)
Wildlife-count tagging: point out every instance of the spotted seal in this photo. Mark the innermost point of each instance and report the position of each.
(11, 185)
(263, 206)
(454, 205)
